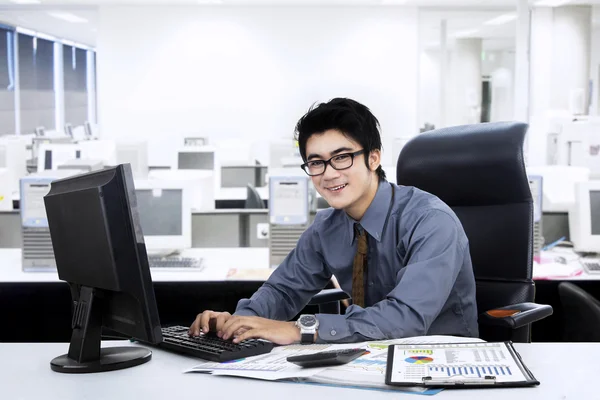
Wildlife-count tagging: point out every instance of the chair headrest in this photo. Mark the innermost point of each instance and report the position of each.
(479, 164)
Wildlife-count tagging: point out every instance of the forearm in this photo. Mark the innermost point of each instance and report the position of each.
(385, 320)
(267, 302)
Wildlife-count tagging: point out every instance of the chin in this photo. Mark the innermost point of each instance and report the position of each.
(338, 204)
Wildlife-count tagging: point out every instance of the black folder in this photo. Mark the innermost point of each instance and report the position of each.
(416, 366)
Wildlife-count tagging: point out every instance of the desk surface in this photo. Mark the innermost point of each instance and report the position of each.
(26, 374)
(250, 263)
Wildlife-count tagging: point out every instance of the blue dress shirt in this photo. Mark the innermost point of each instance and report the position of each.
(419, 278)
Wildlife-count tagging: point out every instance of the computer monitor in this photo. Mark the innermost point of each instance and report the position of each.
(200, 184)
(50, 156)
(13, 157)
(104, 150)
(165, 212)
(69, 130)
(584, 217)
(88, 129)
(40, 131)
(100, 252)
(203, 158)
(196, 158)
(135, 154)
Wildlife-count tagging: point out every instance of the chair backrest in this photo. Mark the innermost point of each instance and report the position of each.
(581, 313)
(478, 170)
(253, 199)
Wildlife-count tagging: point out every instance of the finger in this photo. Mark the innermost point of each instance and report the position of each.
(202, 322)
(237, 323)
(250, 334)
(221, 319)
(195, 327)
(239, 332)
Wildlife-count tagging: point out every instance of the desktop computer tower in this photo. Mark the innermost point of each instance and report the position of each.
(37, 252)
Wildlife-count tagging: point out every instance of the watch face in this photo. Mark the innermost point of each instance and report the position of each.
(308, 320)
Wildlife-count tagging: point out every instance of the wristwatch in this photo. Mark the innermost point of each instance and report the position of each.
(308, 325)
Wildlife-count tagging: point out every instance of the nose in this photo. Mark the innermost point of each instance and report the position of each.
(330, 173)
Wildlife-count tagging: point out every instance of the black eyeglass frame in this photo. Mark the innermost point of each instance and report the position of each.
(328, 162)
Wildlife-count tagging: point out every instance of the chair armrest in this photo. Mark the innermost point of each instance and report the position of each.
(328, 296)
(516, 315)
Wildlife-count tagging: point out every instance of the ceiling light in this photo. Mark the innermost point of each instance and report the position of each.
(502, 19)
(552, 3)
(468, 32)
(65, 16)
(26, 1)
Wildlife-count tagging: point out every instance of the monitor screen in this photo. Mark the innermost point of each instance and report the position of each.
(33, 210)
(196, 160)
(160, 211)
(595, 211)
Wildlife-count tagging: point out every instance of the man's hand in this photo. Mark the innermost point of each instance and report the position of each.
(209, 321)
(279, 332)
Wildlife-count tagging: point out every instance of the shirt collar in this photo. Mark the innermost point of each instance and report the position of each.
(376, 214)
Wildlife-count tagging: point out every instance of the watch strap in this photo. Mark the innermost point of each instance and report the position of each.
(307, 338)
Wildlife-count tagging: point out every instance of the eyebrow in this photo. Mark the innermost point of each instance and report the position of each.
(333, 153)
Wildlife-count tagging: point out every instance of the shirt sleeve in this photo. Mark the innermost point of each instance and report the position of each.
(435, 251)
(301, 275)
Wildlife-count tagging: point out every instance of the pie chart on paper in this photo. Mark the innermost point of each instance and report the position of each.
(419, 360)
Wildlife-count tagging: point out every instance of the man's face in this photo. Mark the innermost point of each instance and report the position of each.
(345, 188)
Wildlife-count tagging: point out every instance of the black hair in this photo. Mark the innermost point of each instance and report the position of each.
(349, 117)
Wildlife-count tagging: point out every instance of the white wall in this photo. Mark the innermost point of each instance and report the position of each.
(232, 72)
(499, 65)
(571, 61)
(595, 72)
(429, 88)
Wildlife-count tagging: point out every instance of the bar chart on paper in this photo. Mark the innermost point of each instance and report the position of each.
(464, 360)
(470, 371)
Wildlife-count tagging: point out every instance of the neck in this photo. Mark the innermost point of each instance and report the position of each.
(358, 210)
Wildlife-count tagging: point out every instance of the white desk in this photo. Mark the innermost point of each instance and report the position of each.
(218, 263)
(566, 371)
(569, 269)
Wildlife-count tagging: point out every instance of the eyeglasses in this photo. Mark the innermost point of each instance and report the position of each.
(337, 162)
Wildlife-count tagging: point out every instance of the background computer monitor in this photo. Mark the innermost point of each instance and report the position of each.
(100, 252)
(88, 129)
(191, 159)
(165, 212)
(584, 217)
(50, 156)
(134, 154)
(69, 130)
(203, 158)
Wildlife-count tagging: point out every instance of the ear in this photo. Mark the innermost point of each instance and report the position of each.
(374, 159)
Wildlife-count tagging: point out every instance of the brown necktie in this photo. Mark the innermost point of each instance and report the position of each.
(358, 269)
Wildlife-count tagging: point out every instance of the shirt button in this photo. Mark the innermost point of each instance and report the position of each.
(333, 332)
(370, 283)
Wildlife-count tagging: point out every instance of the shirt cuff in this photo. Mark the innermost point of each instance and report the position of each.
(332, 328)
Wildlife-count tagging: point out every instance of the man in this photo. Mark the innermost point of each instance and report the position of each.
(417, 278)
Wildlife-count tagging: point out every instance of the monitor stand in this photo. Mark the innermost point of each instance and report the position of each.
(85, 354)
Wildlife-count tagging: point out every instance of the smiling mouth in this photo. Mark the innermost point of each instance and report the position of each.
(337, 188)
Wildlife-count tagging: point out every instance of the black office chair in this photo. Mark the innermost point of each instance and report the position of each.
(253, 199)
(581, 314)
(478, 170)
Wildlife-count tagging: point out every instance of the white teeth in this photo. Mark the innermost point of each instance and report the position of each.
(337, 187)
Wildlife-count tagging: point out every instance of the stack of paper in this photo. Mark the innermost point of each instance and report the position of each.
(367, 371)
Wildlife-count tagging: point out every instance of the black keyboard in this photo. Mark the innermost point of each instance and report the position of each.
(172, 263)
(209, 346)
